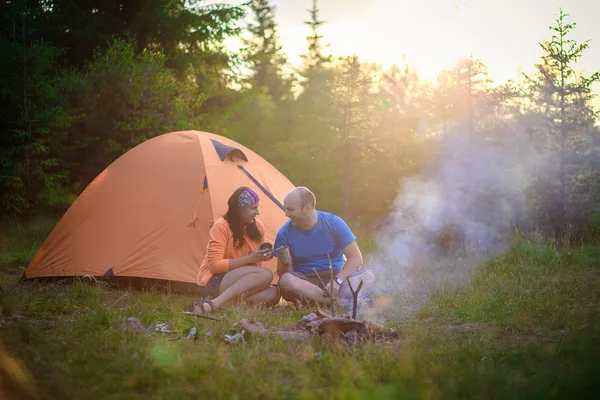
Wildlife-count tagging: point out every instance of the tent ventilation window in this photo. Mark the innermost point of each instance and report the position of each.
(227, 151)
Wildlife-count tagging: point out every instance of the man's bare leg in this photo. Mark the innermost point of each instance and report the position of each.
(367, 288)
(294, 288)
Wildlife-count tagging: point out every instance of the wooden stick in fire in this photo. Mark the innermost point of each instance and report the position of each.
(331, 299)
(328, 293)
(354, 296)
(323, 286)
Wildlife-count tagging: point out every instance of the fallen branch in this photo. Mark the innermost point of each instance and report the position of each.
(207, 316)
(323, 313)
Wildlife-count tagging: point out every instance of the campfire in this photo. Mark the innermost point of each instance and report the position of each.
(321, 322)
(347, 327)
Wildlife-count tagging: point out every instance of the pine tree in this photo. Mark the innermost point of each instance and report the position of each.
(315, 61)
(176, 27)
(462, 88)
(265, 52)
(404, 119)
(561, 97)
(354, 102)
(30, 105)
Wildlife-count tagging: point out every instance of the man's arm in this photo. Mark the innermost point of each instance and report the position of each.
(280, 240)
(354, 260)
(281, 268)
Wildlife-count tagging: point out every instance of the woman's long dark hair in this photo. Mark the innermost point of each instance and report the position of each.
(235, 222)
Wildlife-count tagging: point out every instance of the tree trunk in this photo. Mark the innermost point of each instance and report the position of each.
(563, 141)
(562, 176)
(346, 208)
(470, 121)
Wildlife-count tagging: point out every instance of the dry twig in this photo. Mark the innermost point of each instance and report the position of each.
(323, 286)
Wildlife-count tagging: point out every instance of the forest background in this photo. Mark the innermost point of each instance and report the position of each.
(83, 84)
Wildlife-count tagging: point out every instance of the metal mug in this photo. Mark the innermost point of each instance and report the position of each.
(283, 254)
(267, 247)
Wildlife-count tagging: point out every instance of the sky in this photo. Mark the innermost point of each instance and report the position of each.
(434, 33)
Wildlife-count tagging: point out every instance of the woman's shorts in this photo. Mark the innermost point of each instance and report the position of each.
(212, 287)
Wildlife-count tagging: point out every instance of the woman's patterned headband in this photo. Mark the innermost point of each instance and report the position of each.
(247, 198)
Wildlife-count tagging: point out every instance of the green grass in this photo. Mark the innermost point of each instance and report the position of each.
(527, 326)
(20, 241)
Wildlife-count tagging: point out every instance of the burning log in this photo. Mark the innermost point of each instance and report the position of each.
(339, 325)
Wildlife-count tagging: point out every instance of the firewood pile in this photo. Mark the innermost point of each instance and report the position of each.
(320, 323)
(346, 327)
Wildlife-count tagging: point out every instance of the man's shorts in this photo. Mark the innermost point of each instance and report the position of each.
(325, 276)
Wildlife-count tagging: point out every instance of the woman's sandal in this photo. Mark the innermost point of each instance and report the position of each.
(198, 310)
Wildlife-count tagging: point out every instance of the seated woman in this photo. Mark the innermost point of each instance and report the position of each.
(232, 268)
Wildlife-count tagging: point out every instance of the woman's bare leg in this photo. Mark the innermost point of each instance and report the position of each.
(268, 297)
(239, 283)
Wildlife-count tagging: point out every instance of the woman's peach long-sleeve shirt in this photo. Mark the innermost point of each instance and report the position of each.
(220, 249)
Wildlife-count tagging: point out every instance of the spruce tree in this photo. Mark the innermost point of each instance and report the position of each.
(264, 52)
(561, 98)
(315, 61)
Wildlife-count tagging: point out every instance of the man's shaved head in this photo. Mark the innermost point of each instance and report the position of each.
(299, 206)
(304, 194)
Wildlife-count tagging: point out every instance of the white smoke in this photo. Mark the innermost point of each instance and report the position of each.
(447, 222)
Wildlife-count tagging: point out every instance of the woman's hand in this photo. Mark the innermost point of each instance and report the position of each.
(259, 255)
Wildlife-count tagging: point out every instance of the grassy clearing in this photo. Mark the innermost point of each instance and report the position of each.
(526, 327)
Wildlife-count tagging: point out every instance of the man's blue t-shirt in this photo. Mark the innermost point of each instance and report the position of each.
(309, 249)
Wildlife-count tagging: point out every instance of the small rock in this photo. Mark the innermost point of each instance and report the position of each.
(192, 334)
(310, 321)
(130, 324)
(238, 337)
(161, 327)
(353, 337)
(252, 326)
(373, 328)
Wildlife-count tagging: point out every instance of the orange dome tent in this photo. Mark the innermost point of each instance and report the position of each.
(148, 214)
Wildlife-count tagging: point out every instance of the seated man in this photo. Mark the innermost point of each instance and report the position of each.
(316, 240)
